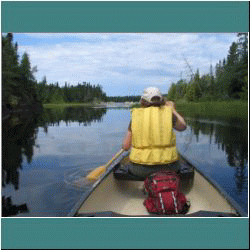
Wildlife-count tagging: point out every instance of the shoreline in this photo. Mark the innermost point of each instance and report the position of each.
(95, 105)
(237, 109)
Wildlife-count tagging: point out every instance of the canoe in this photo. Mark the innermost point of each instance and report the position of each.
(118, 194)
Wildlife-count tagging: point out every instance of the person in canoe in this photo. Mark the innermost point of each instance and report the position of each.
(150, 135)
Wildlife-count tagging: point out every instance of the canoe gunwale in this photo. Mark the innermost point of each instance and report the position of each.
(200, 213)
(239, 211)
(215, 184)
(85, 196)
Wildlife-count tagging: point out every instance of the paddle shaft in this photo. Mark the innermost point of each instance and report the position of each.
(96, 173)
(114, 158)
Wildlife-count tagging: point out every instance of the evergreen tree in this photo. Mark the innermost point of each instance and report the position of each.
(243, 64)
(172, 92)
(18, 82)
(191, 93)
(10, 71)
(197, 85)
(229, 81)
(233, 67)
(25, 68)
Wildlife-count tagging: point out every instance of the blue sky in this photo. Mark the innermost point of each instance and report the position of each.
(122, 63)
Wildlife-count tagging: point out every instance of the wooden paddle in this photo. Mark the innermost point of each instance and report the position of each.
(96, 173)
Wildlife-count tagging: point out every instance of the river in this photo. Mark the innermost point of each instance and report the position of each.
(39, 154)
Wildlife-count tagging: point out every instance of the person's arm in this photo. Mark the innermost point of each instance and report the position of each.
(127, 142)
(179, 122)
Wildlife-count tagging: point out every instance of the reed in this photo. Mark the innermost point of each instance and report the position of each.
(223, 109)
(64, 105)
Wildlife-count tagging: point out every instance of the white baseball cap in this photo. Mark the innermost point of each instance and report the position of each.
(151, 92)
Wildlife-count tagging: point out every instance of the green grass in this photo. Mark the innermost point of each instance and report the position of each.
(215, 109)
(64, 105)
(220, 109)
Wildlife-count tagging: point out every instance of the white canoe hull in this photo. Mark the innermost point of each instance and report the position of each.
(114, 197)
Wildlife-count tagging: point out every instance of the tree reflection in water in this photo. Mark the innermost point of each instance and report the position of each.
(18, 140)
(231, 137)
(19, 133)
(8, 209)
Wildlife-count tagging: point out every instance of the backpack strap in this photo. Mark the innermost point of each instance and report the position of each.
(175, 202)
(162, 203)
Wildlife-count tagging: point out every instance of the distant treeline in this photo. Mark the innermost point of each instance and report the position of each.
(229, 79)
(80, 93)
(123, 98)
(20, 89)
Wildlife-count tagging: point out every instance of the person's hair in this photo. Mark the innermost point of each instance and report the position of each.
(157, 102)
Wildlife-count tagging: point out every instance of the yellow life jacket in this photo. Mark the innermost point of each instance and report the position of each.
(153, 138)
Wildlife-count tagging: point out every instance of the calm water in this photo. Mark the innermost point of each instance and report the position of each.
(39, 154)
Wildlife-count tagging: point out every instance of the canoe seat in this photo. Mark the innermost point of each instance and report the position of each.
(121, 172)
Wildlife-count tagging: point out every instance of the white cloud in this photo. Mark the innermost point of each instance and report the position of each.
(114, 59)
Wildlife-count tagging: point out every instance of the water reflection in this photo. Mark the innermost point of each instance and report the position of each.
(231, 137)
(8, 209)
(42, 192)
(234, 142)
(84, 116)
(19, 134)
(18, 140)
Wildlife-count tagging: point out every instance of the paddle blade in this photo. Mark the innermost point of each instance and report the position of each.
(96, 173)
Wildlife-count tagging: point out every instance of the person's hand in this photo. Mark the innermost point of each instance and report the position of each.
(180, 123)
(170, 104)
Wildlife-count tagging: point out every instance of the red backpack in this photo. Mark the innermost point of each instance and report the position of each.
(164, 195)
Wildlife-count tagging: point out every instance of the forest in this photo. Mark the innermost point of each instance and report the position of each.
(80, 93)
(227, 81)
(20, 89)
